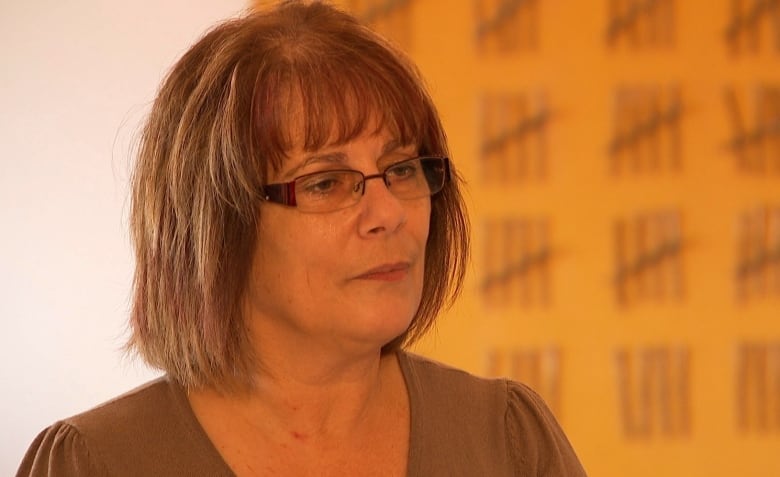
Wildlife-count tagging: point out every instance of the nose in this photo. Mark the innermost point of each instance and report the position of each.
(375, 176)
(381, 211)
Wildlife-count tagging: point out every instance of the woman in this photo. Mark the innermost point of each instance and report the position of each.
(296, 223)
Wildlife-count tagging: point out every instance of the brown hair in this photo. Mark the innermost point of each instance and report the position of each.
(221, 121)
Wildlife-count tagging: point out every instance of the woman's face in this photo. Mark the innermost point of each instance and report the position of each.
(346, 278)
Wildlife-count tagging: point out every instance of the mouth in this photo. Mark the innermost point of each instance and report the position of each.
(389, 272)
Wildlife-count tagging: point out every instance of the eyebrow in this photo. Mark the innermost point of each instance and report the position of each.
(336, 157)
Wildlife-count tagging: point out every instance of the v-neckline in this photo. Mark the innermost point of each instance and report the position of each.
(415, 424)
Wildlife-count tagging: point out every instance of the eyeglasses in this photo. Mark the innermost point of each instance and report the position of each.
(328, 191)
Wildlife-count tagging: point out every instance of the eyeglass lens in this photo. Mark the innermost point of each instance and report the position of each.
(331, 190)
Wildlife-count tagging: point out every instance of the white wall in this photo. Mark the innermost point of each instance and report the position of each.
(76, 79)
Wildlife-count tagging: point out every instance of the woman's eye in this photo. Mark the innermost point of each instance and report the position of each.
(404, 170)
(321, 185)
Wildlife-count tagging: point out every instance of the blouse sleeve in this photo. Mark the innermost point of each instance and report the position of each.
(59, 451)
(535, 440)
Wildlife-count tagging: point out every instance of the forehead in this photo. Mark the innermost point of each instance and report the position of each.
(380, 148)
(308, 137)
(299, 116)
(311, 129)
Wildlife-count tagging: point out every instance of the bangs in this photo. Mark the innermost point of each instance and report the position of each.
(331, 101)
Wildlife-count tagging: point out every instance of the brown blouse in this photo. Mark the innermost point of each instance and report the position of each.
(461, 425)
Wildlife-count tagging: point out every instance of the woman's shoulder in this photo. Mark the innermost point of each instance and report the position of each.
(458, 423)
(60, 450)
(83, 444)
(142, 432)
(128, 410)
(534, 436)
(507, 419)
(440, 378)
(463, 390)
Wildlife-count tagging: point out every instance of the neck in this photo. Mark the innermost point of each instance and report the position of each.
(309, 398)
(321, 396)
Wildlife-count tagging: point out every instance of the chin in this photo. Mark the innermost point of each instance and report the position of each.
(386, 327)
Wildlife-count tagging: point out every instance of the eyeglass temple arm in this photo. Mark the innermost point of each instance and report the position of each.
(280, 193)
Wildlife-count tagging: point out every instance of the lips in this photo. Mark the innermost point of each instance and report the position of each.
(387, 272)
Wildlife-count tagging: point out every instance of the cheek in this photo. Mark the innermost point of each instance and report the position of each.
(293, 252)
(275, 248)
(422, 221)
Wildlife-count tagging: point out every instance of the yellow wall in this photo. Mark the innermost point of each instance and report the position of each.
(624, 190)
